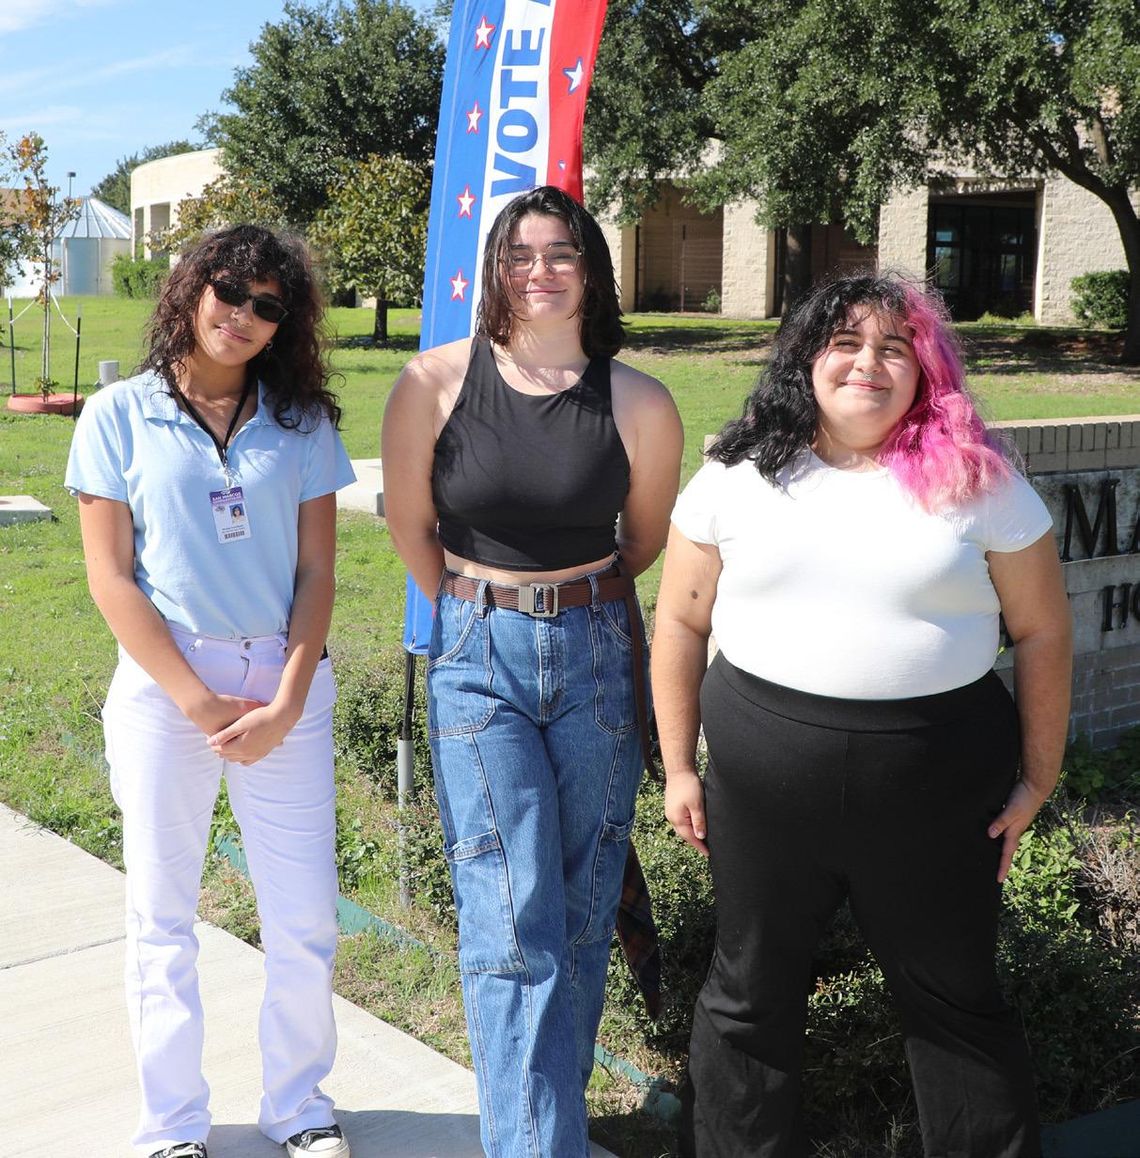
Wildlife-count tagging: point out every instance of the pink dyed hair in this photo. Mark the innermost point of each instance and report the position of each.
(940, 452)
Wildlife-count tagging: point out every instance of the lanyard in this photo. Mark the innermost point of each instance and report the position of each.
(223, 446)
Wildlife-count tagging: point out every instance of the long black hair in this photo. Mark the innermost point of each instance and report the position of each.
(294, 368)
(601, 329)
(940, 451)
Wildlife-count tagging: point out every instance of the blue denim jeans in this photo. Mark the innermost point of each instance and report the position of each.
(537, 759)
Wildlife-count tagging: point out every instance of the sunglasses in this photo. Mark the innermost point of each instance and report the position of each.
(265, 306)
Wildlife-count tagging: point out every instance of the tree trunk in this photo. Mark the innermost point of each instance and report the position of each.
(797, 265)
(1131, 354)
(1117, 199)
(380, 327)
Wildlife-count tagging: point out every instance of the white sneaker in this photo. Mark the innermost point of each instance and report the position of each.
(183, 1150)
(325, 1141)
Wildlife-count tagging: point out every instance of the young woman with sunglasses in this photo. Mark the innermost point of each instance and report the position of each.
(207, 502)
(528, 478)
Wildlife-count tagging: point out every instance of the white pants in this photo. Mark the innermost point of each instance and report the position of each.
(165, 780)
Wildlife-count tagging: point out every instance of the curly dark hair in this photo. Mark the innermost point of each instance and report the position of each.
(601, 329)
(940, 450)
(294, 368)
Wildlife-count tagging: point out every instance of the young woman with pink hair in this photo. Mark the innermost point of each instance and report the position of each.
(851, 542)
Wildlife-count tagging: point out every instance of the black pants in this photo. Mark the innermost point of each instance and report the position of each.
(812, 800)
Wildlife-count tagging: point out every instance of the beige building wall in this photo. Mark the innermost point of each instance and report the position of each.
(748, 264)
(158, 186)
(902, 231)
(622, 241)
(1076, 234)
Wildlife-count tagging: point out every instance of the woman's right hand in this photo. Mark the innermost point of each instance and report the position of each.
(216, 712)
(685, 808)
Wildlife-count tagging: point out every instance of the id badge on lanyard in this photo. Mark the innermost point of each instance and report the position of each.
(228, 506)
(230, 518)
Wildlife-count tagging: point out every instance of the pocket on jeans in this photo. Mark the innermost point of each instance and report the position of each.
(454, 621)
(487, 941)
(459, 675)
(615, 707)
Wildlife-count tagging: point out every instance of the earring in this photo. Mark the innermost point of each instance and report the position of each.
(268, 345)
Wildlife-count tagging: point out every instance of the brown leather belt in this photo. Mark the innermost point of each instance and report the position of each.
(545, 600)
(540, 600)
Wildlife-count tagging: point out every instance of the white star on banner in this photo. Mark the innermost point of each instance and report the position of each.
(466, 199)
(473, 115)
(483, 33)
(574, 75)
(458, 286)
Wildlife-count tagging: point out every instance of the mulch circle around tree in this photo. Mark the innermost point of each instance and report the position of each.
(52, 404)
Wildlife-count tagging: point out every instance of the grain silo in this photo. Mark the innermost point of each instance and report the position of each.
(86, 247)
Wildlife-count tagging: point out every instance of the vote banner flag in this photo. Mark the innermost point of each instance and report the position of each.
(514, 96)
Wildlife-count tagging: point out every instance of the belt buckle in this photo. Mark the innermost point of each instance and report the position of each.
(539, 600)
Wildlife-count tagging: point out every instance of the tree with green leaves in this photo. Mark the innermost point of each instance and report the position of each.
(115, 188)
(645, 119)
(13, 236)
(328, 85)
(222, 202)
(38, 213)
(820, 112)
(374, 233)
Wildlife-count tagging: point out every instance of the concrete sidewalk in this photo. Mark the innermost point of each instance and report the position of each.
(67, 1065)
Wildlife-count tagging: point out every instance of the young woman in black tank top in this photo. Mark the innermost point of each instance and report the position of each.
(528, 478)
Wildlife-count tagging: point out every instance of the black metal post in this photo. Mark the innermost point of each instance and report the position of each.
(405, 774)
(75, 389)
(12, 342)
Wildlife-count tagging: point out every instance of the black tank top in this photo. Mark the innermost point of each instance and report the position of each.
(529, 482)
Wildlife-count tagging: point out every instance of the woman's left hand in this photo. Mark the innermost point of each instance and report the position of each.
(1017, 815)
(253, 736)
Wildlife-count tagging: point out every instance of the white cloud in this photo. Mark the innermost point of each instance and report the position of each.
(17, 15)
(68, 75)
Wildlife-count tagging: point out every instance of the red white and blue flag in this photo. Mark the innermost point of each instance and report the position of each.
(514, 95)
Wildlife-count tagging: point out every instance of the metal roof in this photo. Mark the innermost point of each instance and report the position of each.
(97, 219)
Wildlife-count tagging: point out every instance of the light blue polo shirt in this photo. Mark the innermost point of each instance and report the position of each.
(133, 444)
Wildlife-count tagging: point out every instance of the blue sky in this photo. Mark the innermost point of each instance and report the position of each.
(102, 79)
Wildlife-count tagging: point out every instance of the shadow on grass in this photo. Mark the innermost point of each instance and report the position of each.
(404, 343)
(633, 1134)
(1015, 350)
(699, 339)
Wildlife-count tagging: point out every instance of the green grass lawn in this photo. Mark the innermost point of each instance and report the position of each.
(56, 655)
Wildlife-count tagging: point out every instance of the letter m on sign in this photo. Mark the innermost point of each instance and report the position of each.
(514, 96)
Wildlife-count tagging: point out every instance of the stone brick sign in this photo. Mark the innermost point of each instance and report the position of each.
(1088, 473)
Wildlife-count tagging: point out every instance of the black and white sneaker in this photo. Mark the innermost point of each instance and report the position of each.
(182, 1150)
(322, 1142)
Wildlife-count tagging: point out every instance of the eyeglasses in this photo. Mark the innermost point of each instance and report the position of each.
(265, 306)
(556, 259)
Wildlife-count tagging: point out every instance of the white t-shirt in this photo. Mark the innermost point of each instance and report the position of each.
(838, 583)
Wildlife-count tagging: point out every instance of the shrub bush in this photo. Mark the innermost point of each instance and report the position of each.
(1101, 299)
(370, 710)
(138, 277)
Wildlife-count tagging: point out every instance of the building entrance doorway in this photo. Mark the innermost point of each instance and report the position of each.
(982, 249)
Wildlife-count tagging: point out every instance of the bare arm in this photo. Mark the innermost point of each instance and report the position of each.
(256, 734)
(407, 447)
(679, 657)
(109, 552)
(651, 432)
(1031, 590)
